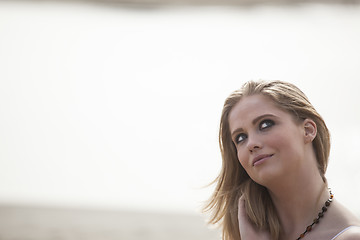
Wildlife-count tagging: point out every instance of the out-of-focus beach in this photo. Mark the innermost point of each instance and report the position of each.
(40, 223)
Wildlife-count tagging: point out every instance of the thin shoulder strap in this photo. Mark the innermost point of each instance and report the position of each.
(343, 231)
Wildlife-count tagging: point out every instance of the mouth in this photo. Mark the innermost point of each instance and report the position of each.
(261, 158)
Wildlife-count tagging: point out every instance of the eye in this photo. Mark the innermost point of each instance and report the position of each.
(266, 124)
(240, 138)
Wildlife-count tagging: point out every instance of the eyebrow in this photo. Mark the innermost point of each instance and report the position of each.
(254, 121)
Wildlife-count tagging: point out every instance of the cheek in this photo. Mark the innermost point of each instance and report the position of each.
(242, 158)
(280, 142)
(287, 143)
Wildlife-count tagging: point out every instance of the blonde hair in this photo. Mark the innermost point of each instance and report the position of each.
(233, 181)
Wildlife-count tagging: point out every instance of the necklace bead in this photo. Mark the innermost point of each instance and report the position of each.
(320, 215)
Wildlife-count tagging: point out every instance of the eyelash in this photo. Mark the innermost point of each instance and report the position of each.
(269, 123)
(266, 121)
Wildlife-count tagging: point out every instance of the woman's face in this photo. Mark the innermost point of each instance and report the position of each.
(268, 141)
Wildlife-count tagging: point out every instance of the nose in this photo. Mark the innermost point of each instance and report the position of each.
(253, 143)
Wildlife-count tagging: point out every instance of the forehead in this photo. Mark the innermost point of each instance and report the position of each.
(250, 107)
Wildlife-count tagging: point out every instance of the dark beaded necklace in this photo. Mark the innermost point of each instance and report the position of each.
(320, 215)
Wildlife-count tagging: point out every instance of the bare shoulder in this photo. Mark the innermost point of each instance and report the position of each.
(344, 215)
(345, 223)
(351, 233)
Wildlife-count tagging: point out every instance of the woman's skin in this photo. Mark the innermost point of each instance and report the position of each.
(277, 152)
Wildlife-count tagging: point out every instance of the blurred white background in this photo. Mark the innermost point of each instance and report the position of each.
(114, 107)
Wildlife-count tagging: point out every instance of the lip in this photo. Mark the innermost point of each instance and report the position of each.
(260, 158)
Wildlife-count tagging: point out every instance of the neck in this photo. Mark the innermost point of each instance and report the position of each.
(298, 202)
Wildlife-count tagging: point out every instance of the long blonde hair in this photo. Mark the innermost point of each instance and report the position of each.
(233, 181)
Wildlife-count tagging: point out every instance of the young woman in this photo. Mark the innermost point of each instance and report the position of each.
(272, 185)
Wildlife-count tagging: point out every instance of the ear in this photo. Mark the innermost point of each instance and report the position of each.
(310, 130)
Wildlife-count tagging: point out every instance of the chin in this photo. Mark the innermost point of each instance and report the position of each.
(266, 177)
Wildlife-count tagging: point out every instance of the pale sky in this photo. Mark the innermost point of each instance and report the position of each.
(119, 108)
